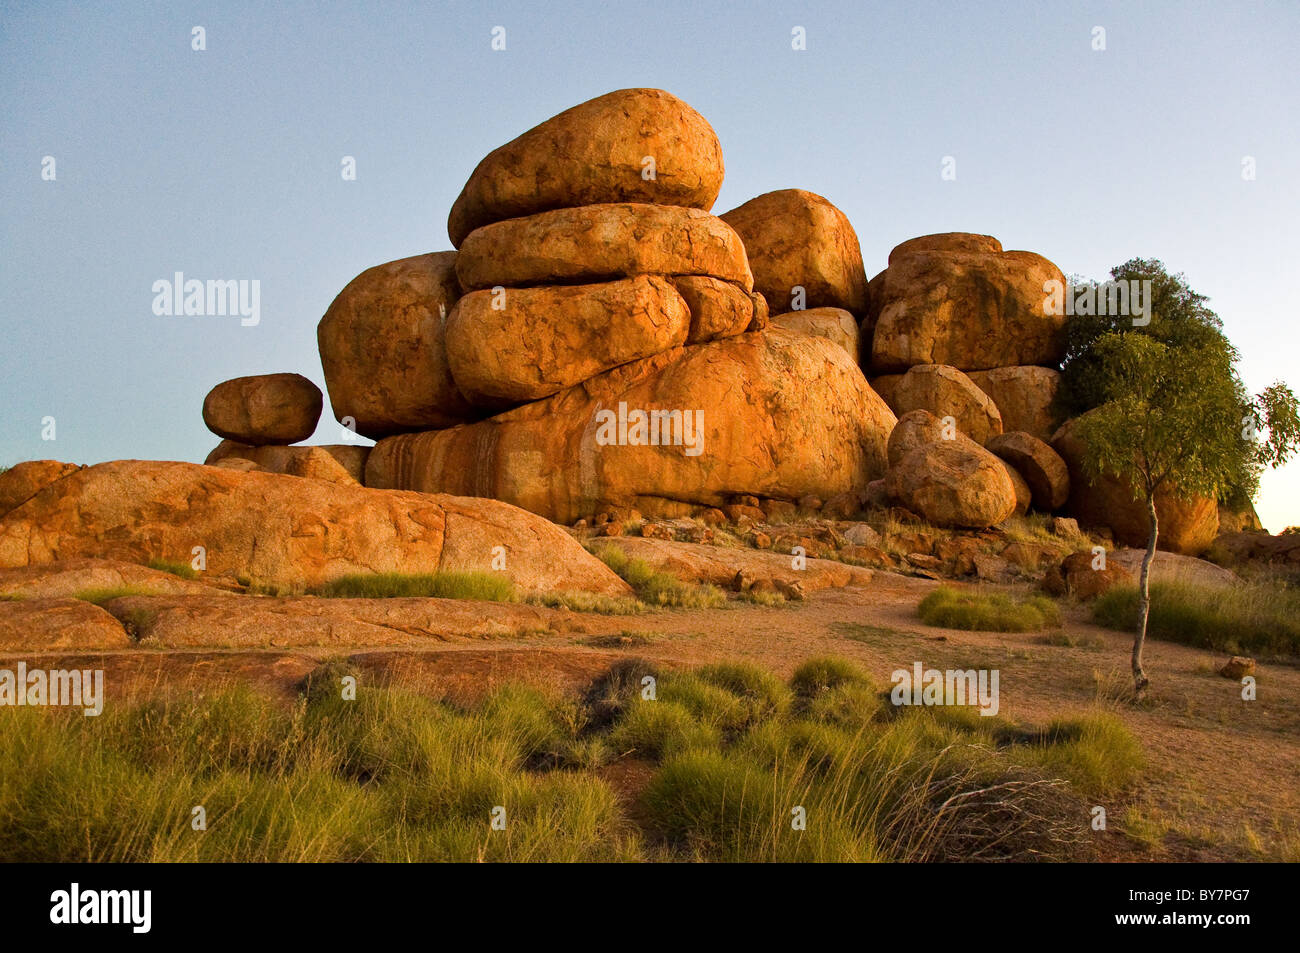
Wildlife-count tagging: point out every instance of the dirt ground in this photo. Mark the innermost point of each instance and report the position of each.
(1223, 774)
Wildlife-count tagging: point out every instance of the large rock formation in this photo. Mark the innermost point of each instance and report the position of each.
(285, 530)
(631, 145)
(770, 414)
(542, 340)
(383, 348)
(1187, 524)
(264, 409)
(601, 243)
(797, 239)
(959, 299)
(1024, 396)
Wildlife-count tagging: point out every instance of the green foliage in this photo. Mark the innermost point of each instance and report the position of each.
(184, 570)
(1175, 409)
(1261, 619)
(395, 776)
(947, 608)
(491, 587)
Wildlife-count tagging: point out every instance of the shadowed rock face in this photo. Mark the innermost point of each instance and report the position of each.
(297, 461)
(1040, 465)
(600, 243)
(383, 349)
(835, 324)
(779, 415)
(1187, 525)
(286, 529)
(960, 300)
(596, 153)
(264, 409)
(799, 239)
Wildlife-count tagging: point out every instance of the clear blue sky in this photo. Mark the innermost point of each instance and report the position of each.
(226, 163)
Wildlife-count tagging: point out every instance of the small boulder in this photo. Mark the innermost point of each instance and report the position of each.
(264, 409)
(947, 392)
(1040, 465)
(834, 324)
(1024, 396)
(953, 485)
(1238, 667)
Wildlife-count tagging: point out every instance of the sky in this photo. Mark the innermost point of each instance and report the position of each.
(225, 163)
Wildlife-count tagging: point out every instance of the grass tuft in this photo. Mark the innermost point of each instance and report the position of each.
(949, 609)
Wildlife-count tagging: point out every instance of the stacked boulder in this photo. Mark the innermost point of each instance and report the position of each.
(960, 332)
(596, 340)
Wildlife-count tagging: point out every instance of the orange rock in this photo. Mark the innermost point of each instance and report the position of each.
(834, 324)
(947, 392)
(264, 409)
(1023, 396)
(24, 480)
(797, 239)
(954, 485)
(596, 153)
(1040, 465)
(601, 243)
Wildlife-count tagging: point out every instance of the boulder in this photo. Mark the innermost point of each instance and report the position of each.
(601, 243)
(718, 309)
(264, 409)
(1040, 465)
(1238, 667)
(960, 300)
(797, 239)
(947, 392)
(1076, 576)
(1240, 547)
(382, 346)
(45, 625)
(834, 324)
(69, 577)
(288, 531)
(24, 480)
(1187, 524)
(295, 461)
(240, 464)
(1242, 519)
(953, 485)
(769, 414)
(1024, 397)
(529, 343)
(918, 428)
(1024, 495)
(596, 153)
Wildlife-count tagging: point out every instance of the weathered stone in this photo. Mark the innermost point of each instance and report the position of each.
(24, 480)
(44, 625)
(1077, 576)
(953, 485)
(797, 239)
(595, 153)
(1023, 396)
(276, 528)
(834, 324)
(382, 346)
(530, 343)
(297, 461)
(264, 409)
(947, 392)
(602, 243)
(918, 428)
(960, 300)
(718, 309)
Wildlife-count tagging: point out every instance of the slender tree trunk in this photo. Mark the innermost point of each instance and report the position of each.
(1140, 681)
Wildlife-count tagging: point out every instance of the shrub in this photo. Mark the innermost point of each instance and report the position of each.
(947, 608)
(1261, 619)
(659, 588)
(487, 586)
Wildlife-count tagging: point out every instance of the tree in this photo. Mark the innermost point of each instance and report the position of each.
(1173, 417)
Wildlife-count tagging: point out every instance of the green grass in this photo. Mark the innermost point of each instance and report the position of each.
(947, 608)
(396, 776)
(587, 602)
(1261, 619)
(184, 570)
(656, 588)
(102, 595)
(487, 586)
(1064, 641)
